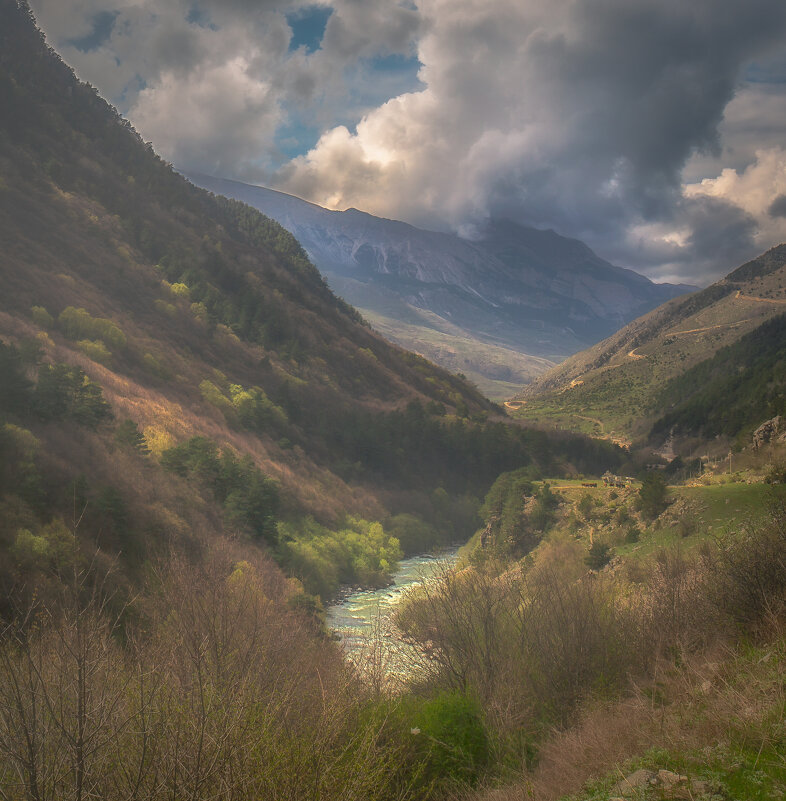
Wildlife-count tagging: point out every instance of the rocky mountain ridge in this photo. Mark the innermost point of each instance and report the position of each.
(528, 291)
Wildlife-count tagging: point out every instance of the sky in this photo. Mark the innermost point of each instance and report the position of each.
(653, 130)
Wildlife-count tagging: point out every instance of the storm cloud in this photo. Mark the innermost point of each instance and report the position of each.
(650, 129)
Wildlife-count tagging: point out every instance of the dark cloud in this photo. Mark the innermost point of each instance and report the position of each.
(721, 237)
(778, 207)
(102, 24)
(577, 115)
(643, 86)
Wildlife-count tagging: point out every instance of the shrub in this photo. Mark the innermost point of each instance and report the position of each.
(215, 397)
(749, 572)
(451, 737)
(599, 555)
(95, 350)
(633, 533)
(79, 324)
(29, 550)
(199, 310)
(414, 534)
(652, 495)
(360, 552)
(529, 645)
(158, 439)
(776, 474)
(53, 548)
(169, 309)
(585, 505)
(128, 434)
(254, 409)
(180, 290)
(156, 368)
(41, 317)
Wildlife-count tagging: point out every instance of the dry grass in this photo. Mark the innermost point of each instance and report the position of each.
(726, 696)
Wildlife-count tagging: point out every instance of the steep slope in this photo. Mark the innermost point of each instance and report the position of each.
(617, 387)
(469, 305)
(730, 394)
(140, 314)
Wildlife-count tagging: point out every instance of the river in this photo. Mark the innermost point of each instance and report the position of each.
(363, 620)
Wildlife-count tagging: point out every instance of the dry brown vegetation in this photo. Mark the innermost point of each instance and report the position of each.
(207, 686)
(576, 676)
(720, 696)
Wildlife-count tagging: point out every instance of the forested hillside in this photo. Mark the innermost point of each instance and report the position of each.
(622, 386)
(731, 393)
(174, 368)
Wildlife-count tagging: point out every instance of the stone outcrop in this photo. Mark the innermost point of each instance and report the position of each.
(766, 432)
(661, 785)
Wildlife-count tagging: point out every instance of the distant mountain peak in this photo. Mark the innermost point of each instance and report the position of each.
(527, 290)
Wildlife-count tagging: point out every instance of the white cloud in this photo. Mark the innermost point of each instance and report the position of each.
(578, 116)
(754, 190)
(582, 115)
(225, 118)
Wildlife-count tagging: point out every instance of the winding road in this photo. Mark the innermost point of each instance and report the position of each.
(755, 299)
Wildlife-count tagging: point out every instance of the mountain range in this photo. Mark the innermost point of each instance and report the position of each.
(501, 308)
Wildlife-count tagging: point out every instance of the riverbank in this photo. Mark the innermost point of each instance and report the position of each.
(363, 617)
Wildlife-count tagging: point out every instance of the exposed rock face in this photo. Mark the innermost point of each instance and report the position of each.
(633, 784)
(661, 784)
(766, 432)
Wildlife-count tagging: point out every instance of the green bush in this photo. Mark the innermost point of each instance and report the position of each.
(41, 317)
(250, 408)
(359, 553)
(776, 474)
(180, 290)
(95, 350)
(79, 324)
(542, 514)
(215, 397)
(128, 434)
(254, 409)
(585, 505)
(414, 534)
(749, 575)
(451, 738)
(169, 309)
(633, 534)
(54, 547)
(599, 555)
(155, 367)
(652, 495)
